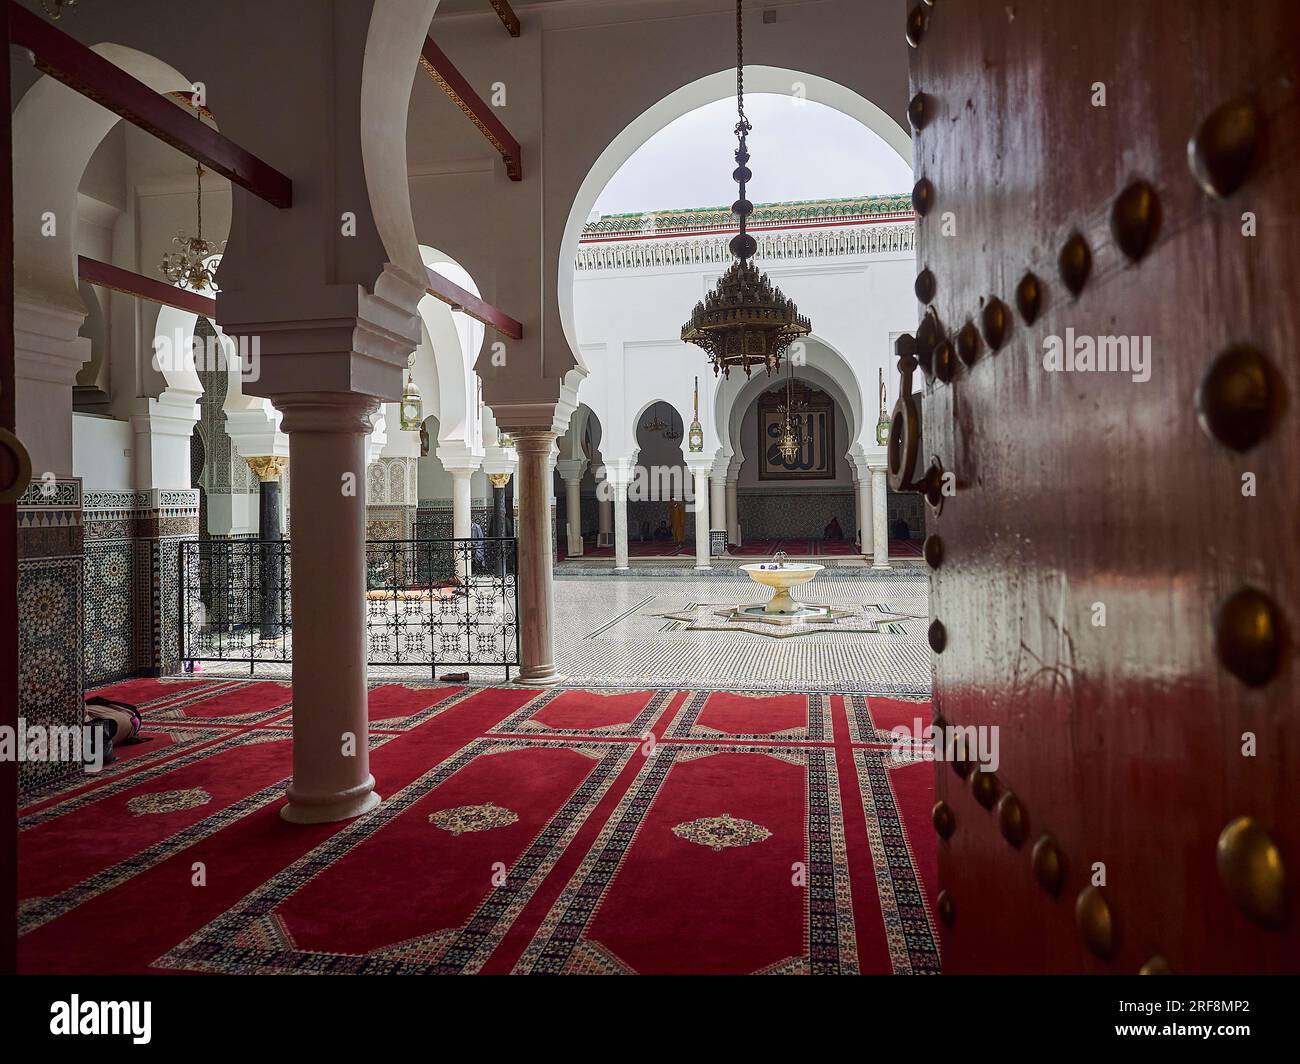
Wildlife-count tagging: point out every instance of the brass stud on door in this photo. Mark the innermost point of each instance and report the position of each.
(996, 320)
(1250, 866)
(968, 343)
(925, 286)
(1049, 869)
(933, 485)
(1029, 297)
(1222, 149)
(1236, 402)
(943, 820)
(984, 786)
(945, 908)
(1248, 636)
(928, 334)
(1012, 819)
(917, 20)
(1096, 925)
(1135, 219)
(1075, 263)
(944, 361)
(932, 551)
(937, 634)
(922, 197)
(920, 109)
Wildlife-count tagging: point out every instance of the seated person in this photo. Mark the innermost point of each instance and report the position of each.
(833, 531)
(898, 529)
(663, 531)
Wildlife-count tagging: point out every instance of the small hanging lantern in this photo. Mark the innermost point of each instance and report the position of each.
(695, 441)
(882, 425)
(412, 404)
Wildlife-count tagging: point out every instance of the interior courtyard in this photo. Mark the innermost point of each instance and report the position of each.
(479, 476)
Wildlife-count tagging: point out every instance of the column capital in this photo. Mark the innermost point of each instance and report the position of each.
(699, 465)
(498, 480)
(620, 471)
(326, 412)
(571, 468)
(533, 441)
(267, 467)
(174, 413)
(339, 336)
(458, 457)
(47, 346)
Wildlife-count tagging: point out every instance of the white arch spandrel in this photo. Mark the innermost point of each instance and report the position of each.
(55, 132)
(706, 90)
(392, 59)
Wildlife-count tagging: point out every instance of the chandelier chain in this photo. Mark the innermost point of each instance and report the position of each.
(740, 69)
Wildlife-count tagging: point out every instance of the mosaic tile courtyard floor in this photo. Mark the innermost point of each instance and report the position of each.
(612, 632)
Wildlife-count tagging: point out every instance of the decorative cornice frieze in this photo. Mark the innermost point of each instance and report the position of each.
(141, 503)
(54, 493)
(784, 246)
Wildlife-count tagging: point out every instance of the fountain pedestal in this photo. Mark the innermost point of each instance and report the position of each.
(782, 608)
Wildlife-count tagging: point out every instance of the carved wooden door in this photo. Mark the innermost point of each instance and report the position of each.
(1108, 253)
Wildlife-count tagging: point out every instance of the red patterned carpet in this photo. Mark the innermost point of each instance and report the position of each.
(521, 831)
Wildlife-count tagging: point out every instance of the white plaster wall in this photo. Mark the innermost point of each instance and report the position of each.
(629, 323)
(101, 453)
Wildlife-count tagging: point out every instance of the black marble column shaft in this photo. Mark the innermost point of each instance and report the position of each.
(274, 553)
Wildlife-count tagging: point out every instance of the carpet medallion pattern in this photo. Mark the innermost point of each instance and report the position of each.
(559, 831)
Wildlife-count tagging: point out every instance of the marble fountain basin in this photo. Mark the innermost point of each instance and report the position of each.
(781, 578)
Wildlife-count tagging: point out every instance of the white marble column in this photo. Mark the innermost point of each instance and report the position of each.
(571, 470)
(620, 525)
(879, 519)
(866, 517)
(618, 475)
(701, 473)
(733, 512)
(606, 534)
(461, 512)
(536, 552)
(462, 463)
(717, 502)
(331, 758)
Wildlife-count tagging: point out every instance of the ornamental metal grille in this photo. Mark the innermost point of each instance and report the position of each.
(429, 602)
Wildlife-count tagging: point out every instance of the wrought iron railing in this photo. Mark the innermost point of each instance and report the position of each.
(429, 602)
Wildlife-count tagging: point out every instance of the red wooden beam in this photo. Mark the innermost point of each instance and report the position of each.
(462, 94)
(71, 62)
(106, 275)
(458, 298)
(508, 18)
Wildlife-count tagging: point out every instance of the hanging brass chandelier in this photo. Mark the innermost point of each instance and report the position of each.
(745, 321)
(653, 424)
(794, 435)
(189, 267)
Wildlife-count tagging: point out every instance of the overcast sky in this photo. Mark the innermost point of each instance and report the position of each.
(798, 151)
